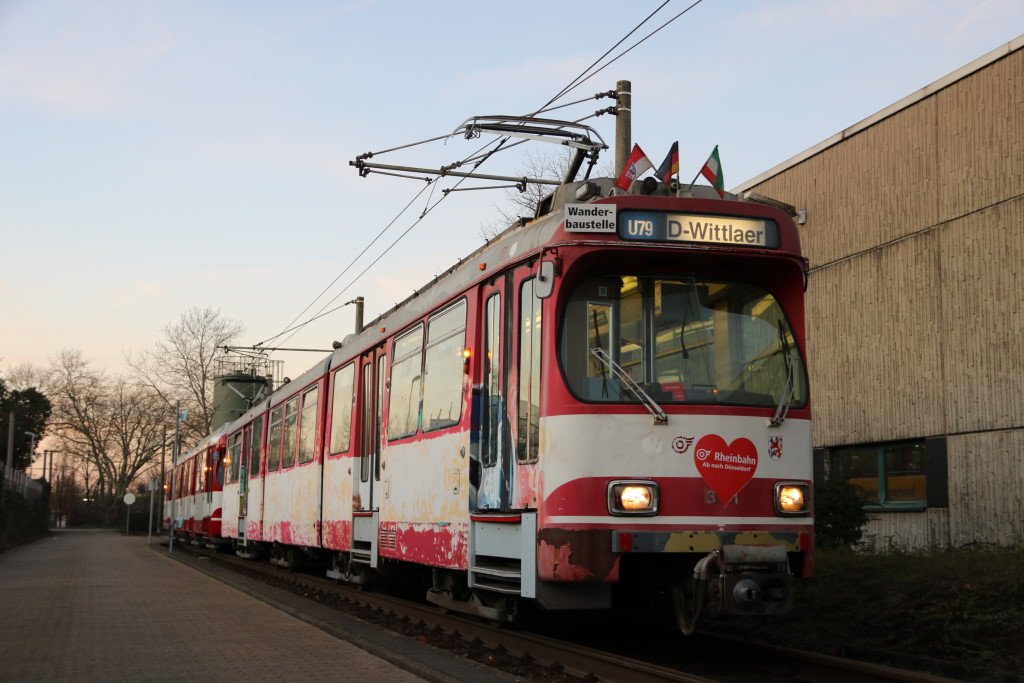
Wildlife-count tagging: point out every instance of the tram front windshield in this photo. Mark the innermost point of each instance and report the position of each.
(681, 340)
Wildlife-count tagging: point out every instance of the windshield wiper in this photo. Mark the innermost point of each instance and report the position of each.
(653, 408)
(787, 392)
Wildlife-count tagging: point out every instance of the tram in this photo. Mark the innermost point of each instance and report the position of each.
(605, 406)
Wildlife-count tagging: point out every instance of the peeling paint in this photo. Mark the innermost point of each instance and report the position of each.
(576, 555)
(436, 545)
(337, 535)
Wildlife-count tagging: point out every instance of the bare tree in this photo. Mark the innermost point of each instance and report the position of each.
(112, 426)
(24, 376)
(550, 164)
(181, 367)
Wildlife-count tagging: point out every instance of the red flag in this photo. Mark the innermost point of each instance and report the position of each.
(636, 165)
(670, 166)
(713, 172)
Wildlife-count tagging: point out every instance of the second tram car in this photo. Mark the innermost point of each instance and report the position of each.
(606, 404)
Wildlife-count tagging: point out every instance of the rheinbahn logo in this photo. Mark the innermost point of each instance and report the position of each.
(681, 444)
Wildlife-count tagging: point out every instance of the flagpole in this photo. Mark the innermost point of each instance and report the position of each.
(690, 188)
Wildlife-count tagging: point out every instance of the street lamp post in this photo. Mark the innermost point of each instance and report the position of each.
(54, 494)
(31, 449)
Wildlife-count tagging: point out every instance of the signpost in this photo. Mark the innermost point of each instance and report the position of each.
(129, 498)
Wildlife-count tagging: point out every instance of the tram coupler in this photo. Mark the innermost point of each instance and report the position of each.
(754, 580)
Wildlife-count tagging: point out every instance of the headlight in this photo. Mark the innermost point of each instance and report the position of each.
(792, 498)
(632, 497)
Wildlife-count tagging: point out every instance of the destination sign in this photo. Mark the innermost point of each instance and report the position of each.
(725, 230)
(590, 218)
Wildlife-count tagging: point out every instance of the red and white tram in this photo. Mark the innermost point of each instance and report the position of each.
(607, 401)
(195, 493)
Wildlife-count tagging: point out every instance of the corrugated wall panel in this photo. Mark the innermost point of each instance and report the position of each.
(982, 318)
(902, 531)
(876, 369)
(986, 495)
(873, 188)
(981, 138)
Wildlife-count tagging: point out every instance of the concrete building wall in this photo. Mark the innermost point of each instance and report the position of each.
(915, 235)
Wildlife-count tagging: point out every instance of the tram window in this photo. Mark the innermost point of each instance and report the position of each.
(492, 378)
(630, 339)
(443, 368)
(218, 468)
(274, 440)
(382, 365)
(683, 340)
(202, 472)
(234, 456)
(889, 476)
(406, 385)
(288, 446)
(341, 409)
(528, 419)
(255, 446)
(308, 425)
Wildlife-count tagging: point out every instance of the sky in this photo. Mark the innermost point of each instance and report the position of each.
(159, 156)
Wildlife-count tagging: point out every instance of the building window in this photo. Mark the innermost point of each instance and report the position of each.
(895, 476)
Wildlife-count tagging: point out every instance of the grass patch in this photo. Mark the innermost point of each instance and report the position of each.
(961, 606)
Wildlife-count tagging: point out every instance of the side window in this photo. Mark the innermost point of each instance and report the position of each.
(308, 424)
(528, 442)
(202, 472)
(406, 385)
(443, 368)
(291, 419)
(256, 447)
(341, 409)
(492, 379)
(274, 440)
(371, 437)
(218, 467)
(234, 456)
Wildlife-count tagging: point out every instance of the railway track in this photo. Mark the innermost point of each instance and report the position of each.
(602, 649)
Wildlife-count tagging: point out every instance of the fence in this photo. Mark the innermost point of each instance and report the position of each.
(30, 489)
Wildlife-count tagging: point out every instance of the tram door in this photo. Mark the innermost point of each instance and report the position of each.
(252, 502)
(373, 369)
(494, 488)
(239, 453)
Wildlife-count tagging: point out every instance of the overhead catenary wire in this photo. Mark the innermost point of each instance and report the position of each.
(573, 85)
(342, 273)
(322, 312)
(478, 157)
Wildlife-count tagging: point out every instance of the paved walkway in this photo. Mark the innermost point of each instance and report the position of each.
(99, 606)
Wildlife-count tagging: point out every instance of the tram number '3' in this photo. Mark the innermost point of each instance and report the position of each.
(639, 228)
